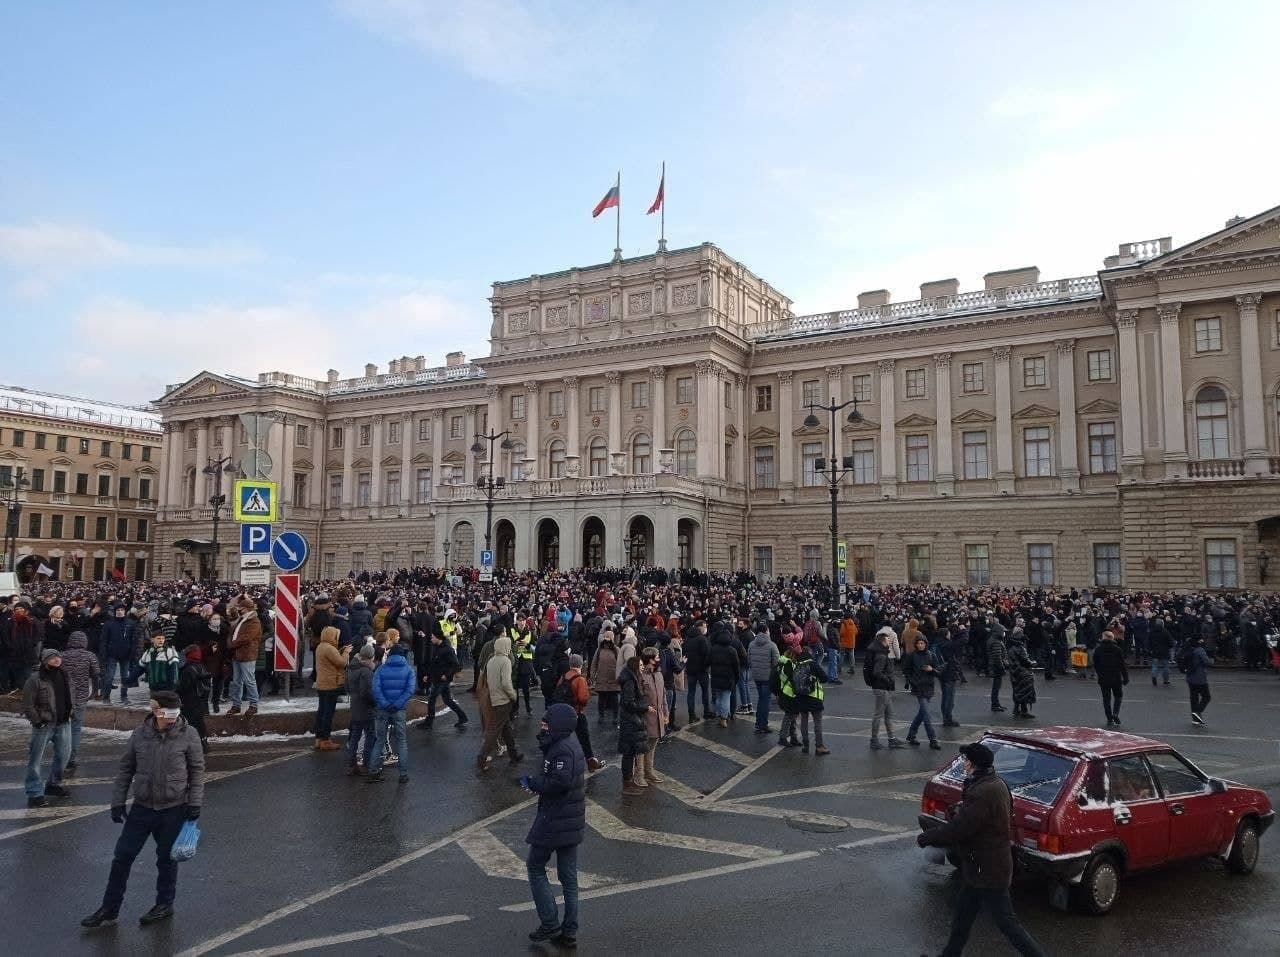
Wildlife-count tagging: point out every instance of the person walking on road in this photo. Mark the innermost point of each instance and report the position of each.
(1196, 663)
(762, 657)
(85, 675)
(997, 663)
(1160, 644)
(1022, 680)
(980, 834)
(502, 700)
(164, 767)
(877, 672)
(1113, 675)
(245, 638)
(360, 719)
(633, 734)
(47, 703)
(392, 688)
(558, 826)
(441, 665)
(697, 653)
(950, 672)
(331, 677)
(920, 670)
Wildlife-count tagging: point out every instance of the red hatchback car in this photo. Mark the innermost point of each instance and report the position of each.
(1090, 806)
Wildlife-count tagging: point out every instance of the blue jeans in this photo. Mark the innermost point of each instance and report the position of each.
(948, 700)
(744, 688)
(721, 699)
(109, 676)
(77, 730)
(1160, 665)
(833, 664)
(142, 823)
(244, 683)
(922, 717)
(543, 898)
(355, 731)
(393, 721)
(762, 704)
(60, 735)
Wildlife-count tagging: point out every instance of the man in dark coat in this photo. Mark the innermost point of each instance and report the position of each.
(559, 824)
(697, 653)
(1113, 674)
(440, 667)
(980, 835)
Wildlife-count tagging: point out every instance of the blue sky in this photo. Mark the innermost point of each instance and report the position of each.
(299, 185)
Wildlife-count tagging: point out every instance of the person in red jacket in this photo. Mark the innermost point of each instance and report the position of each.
(572, 689)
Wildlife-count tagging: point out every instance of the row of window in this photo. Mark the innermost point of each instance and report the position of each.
(74, 572)
(79, 524)
(37, 479)
(40, 440)
(1221, 563)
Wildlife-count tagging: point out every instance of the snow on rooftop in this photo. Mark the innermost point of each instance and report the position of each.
(15, 398)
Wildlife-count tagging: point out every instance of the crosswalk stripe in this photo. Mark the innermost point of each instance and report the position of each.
(497, 860)
(57, 813)
(715, 747)
(615, 829)
(352, 936)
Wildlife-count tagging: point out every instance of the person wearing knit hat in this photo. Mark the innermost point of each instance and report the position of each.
(194, 687)
(47, 704)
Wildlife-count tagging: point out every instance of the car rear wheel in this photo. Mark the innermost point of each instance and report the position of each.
(1099, 886)
(1244, 849)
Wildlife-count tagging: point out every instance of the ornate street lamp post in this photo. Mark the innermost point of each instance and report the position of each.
(487, 483)
(217, 501)
(10, 490)
(834, 470)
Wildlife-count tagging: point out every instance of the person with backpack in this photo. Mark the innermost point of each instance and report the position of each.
(195, 684)
(800, 693)
(573, 690)
(877, 672)
(439, 669)
(1195, 663)
(920, 670)
(1113, 674)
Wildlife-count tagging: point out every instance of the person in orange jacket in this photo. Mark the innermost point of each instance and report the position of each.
(572, 689)
(848, 640)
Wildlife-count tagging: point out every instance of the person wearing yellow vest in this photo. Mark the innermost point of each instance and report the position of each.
(800, 693)
(525, 672)
(449, 629)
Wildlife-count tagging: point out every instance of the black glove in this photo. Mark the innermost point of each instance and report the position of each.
(193, 812)
(117, 813)
(921, 840)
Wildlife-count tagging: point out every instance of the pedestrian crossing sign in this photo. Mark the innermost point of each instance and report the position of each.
(255, 501)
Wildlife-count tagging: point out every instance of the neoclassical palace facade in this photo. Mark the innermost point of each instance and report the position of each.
(1116, 429)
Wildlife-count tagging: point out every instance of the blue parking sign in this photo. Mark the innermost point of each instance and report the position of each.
(255, 539)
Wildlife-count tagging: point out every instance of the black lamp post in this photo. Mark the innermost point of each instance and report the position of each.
(487, 483)
(834, 470)
(447, 543)
(10, 489)
(626, 550)
(218, 502)
(1264, 559)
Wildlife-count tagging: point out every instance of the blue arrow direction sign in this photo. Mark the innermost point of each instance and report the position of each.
(255, 539)
(289, 551)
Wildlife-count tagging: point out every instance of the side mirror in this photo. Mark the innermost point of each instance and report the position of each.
(1217, 786)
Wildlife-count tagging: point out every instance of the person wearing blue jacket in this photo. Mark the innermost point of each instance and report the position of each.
(393, 685)
(121, 643)
(1197, 662)
(559, 825)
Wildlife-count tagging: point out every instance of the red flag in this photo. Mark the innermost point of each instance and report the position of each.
(610, 200)
(662, 190)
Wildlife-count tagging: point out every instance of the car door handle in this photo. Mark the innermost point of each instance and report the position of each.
(1122, 815)
(1176, 809)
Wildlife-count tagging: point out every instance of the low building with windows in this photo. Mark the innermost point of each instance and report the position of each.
(79, 479)
(1118, 429)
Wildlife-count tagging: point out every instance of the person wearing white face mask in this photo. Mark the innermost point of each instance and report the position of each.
(164, 768)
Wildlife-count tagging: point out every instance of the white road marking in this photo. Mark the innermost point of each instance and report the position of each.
(676, 879)
(27, 814)
(299, 945)
(615, 829)
(715, 747)
(382, 869)
(52, 822)
(496, 859)
(742, 775)
(693, 798)
(68, 781)
(881, 839)
(836, 788)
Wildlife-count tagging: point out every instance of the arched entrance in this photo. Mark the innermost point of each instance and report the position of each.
(462, 545)
(504, 544)
(639, 541)
(688, 543)
(593, 543)
(548, 537)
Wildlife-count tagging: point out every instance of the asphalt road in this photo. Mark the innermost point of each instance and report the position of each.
(744, 850)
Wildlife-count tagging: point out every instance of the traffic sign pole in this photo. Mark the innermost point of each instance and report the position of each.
(288, 623)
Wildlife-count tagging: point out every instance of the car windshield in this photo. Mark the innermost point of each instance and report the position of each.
(1030, 773)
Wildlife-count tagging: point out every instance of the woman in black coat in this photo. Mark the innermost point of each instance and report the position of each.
(1021, 679)
(633, 737)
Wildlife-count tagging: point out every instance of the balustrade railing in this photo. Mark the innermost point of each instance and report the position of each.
(1215, 468)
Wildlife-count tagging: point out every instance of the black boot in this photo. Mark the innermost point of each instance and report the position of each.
(98, 918)
(156, 914)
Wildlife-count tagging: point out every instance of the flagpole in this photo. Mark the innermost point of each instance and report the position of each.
(617, 220)
(662, 212)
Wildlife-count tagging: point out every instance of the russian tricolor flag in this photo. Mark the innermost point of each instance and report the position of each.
(611, 199)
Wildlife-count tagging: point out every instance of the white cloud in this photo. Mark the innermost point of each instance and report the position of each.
(1055, 111)
(128, 352)
(517, 44)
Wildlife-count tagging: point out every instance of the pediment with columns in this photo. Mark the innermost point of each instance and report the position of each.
(862, 425)
(302, 464)
(390, 460)
(1098, 406)
(453, 458)
(762, 432)
(1035, 411)
(204, 385)
(915, 421)
(973, 417)
(361, 463)
(1257, 234)
(422, 458)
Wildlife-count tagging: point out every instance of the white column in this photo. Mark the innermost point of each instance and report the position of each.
(286, 469)
(572, 423)
(375, 461)
(348, 460)
(275, 448)
(493, 408)
(408, 478)
(226, 431)
(1004, 420)
(946, 476)
(1175, 427)
(888, 432)
(786, 423)
(1130, 397)
(202, 459)
(469, 436)
(704, 369)
(1255, 430)
(533, 441)
(319, 463)
(614, 382)
(437, 449)
(744, 452)
(1068, 442)
(835, 381)
(165, 489)
(658, 404)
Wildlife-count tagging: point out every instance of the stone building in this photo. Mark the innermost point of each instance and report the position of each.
(85, 476)
(1118, 428)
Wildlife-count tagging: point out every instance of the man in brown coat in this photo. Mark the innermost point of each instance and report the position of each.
(980, 835)
(246, 634)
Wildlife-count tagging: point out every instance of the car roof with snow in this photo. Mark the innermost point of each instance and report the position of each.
(1084, 742)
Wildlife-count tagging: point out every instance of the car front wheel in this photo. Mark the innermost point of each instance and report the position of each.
(1099, 886)
(1244, 849)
